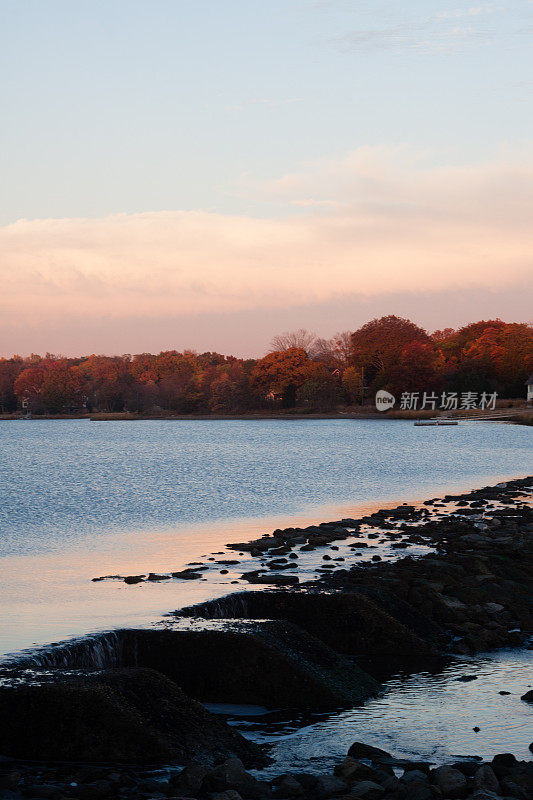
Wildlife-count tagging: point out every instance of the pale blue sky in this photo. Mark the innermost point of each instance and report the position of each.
(204, 173)
(136, 105)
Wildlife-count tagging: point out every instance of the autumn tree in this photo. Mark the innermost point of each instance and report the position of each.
(378, 345)
(283, 372)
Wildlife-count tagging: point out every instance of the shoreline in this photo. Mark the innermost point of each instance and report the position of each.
(153, 551)
(520, 416)
(328, 644)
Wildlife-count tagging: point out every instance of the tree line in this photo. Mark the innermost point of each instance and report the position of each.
(301, 371)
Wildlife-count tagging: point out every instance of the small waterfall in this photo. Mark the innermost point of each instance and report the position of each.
(99, 651)
(232, 606)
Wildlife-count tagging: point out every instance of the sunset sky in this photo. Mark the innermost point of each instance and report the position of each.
(206, 174)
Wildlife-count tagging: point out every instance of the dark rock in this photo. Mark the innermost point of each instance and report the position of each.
(485, 778)
(134, 579)
(367, 790)
(329, 785)
(131, 716)
(527, 697)
(186, 575)
(502, 763)
(189, 781)
(450, 781)
(360, 750)
(288, 786)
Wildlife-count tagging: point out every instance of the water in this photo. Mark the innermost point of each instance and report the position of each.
(63, 482)
(80, 499)
(425, 716)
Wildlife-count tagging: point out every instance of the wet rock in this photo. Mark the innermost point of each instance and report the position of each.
(360, 750)
(130, 579)
(328, 785)
(122, 716)
(288, 786)
(189, 781)
(485, 778)
(414, 776)
(186, 575)
(351, 770)
(450, 781)
(502, 763)
(154, 576)
(367, 790)
(527, 697)
(232, 775)
(229, 794)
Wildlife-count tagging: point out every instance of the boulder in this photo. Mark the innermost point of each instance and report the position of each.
(450, 781)
(485, 778)
(367, 790)
(124, 716)
(288, 786)
(362, 750)
(328, 785)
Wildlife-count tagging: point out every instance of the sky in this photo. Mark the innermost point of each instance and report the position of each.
(203, 174)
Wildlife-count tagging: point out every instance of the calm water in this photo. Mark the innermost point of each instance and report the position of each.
(427, 716)
(65, 482)
(81, 499)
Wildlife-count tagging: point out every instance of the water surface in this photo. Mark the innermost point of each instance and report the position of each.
(80, 499)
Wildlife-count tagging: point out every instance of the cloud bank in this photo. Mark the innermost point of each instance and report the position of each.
(380, 220)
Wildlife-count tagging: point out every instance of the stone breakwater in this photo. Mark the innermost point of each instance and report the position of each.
(366, 773)
(116, 705)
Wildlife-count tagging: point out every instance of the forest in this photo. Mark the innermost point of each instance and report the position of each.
(301, 371)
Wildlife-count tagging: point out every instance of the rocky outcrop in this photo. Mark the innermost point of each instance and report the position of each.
(119, 716)
(378, 777)
(349, 622)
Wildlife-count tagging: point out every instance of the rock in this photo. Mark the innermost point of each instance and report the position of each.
(189, 781)
(288, 786)
(502, 763)
(466, 678)
(389, 782)
(91, 791)
(350, 770)
(527, 697)
(484, 778)
(229, 794)
(232, 775)
(134, 716)
(414, 776)
(134, 579)
(418, 791)
(484, 794)
(450, 781)
(328, 785)
(154, 576)
(362, 750)
(186, 575)
(367, 790)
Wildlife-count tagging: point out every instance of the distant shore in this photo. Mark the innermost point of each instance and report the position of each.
(520, 416)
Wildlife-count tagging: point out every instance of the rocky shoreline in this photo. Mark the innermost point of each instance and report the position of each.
(120, 707)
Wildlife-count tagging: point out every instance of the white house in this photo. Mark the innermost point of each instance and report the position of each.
(529, 384)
